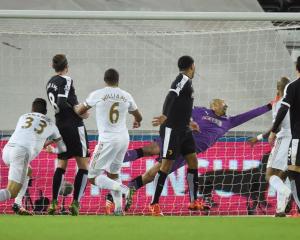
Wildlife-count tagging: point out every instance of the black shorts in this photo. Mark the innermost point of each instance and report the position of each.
(75, 138)
(294, 153)
(176, 142)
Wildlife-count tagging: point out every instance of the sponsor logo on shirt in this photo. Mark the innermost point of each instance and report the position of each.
(213, 120)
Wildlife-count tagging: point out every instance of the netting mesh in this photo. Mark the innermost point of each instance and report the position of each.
(239, 61)
(133, 27)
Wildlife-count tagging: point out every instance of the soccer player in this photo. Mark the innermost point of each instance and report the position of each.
(61, 94)
(25, 144)
(176, 135)
(112, 104)
(277, 163)
(291, 103)
(214, 124)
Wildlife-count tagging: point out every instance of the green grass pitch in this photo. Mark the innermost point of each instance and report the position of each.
(142, 228)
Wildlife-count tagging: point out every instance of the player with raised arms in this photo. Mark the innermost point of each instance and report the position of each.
(112, 105)
(27, 141)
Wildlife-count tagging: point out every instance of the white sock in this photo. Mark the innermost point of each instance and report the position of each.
(4, 195)
(281, 190)
(104, 182)
(19, 198)
(277, 184)
(117, 195)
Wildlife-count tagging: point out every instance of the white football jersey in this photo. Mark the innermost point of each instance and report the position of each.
(112, 105)
(285, 130)
(32, 131)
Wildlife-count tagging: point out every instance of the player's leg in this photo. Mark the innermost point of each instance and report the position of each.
(188, 150)
(11, 190)
(61, 166)
(170, 149)
(17, 158)
(159, 182)
(69, 135)
(80, 183)
(18, 206)
(193, 182)
(276, 166)
(120, 147)
(145, 178)
(101, 160)
(80, 151)
(294, 170)
(148, 150)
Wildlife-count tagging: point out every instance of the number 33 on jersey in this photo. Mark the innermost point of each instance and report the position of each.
(32, 130)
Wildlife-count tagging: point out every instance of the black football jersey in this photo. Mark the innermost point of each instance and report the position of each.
(62, 86)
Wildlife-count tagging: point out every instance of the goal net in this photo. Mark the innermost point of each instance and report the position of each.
(238, 61)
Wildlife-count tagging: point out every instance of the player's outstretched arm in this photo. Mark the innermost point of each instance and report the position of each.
(247, 116)
(253, 140)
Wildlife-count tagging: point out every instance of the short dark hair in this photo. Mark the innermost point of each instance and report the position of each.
(39, 105)
(59, 62)
(185, 62)
(111, 76)
(298, 64)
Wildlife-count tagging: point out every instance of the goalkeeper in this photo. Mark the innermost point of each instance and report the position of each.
(214, 124)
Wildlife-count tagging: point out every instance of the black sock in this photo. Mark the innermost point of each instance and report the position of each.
(193, 183)
(159, 182)
(139, 152)
(80, 184)
(57, 179)
(136, 182)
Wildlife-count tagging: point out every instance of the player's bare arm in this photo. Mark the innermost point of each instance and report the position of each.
(137, 118)
(82, 110)
(194, 126)
(157, 121)
(60, 146)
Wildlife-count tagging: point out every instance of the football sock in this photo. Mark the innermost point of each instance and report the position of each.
(117, 196)
(133, 154)
(159, 182)
(57, 180)
(4, 195)
(193, 183)
(80, 184)
(19, 198)
(104, 182)
(136, 182)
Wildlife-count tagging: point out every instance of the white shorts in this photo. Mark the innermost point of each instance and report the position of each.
(17, 158)
(279, 155)
(108, 156)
